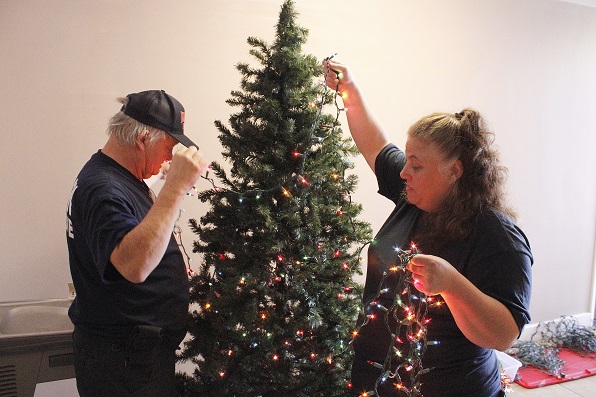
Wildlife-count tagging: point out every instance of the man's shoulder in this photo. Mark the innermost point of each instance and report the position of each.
(101, 171)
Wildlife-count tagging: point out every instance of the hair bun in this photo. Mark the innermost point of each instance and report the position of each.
(471, 119)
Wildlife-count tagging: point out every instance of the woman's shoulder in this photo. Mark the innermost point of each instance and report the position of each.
(494, 218)
(497, 229)
(388, 165)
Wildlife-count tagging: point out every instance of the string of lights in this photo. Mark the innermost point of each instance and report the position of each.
(283, 185)
(178, 237)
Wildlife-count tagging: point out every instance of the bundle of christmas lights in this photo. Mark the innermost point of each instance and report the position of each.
(540, 354)
(551, 337)
(406, 318)
(569, 334)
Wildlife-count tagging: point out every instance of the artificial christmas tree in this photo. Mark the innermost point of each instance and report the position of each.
(274, 300)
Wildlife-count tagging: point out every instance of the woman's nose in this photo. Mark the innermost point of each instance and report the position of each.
(403, 174)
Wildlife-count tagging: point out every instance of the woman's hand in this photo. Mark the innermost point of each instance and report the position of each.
(337, 75)
(432, 275)
(367, 133)
(481, 318)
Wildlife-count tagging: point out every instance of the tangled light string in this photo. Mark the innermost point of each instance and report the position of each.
(543, 353)
(407, 311)
(539, 354)
(570, 334)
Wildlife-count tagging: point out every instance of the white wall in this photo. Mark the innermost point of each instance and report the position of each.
(528, 65)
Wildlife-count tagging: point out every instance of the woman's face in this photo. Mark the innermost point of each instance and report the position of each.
(428, 174)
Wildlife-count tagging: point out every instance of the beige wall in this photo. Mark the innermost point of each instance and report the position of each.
(528, 65)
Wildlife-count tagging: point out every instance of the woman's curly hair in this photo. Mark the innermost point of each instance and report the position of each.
(463, 136)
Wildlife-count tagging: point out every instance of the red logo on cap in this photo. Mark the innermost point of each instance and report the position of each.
(182, 119)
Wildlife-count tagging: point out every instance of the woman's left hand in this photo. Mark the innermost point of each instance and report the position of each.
(432, 275)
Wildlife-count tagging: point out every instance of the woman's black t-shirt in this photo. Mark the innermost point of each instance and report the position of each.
(496, 258)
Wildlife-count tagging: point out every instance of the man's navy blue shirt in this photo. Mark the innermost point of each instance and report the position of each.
(107, 201)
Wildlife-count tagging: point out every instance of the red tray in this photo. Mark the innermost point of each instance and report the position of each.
(575, 367)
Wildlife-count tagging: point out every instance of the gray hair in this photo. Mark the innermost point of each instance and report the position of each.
(126, 130)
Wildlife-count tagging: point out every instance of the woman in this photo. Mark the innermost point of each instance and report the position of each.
(447, 190)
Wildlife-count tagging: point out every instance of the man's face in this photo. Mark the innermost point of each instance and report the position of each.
(156, 154)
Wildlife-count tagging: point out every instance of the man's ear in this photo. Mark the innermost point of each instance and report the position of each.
(142, 138)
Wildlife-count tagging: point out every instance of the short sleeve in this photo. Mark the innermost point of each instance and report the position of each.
(108, 218)
(388, 164)
(503, 266)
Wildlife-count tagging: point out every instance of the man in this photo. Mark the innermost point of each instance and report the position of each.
(131, 306)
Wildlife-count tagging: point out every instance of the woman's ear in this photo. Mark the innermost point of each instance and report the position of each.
(457, 169)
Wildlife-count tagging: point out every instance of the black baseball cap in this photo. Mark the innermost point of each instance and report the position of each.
(157, 109)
